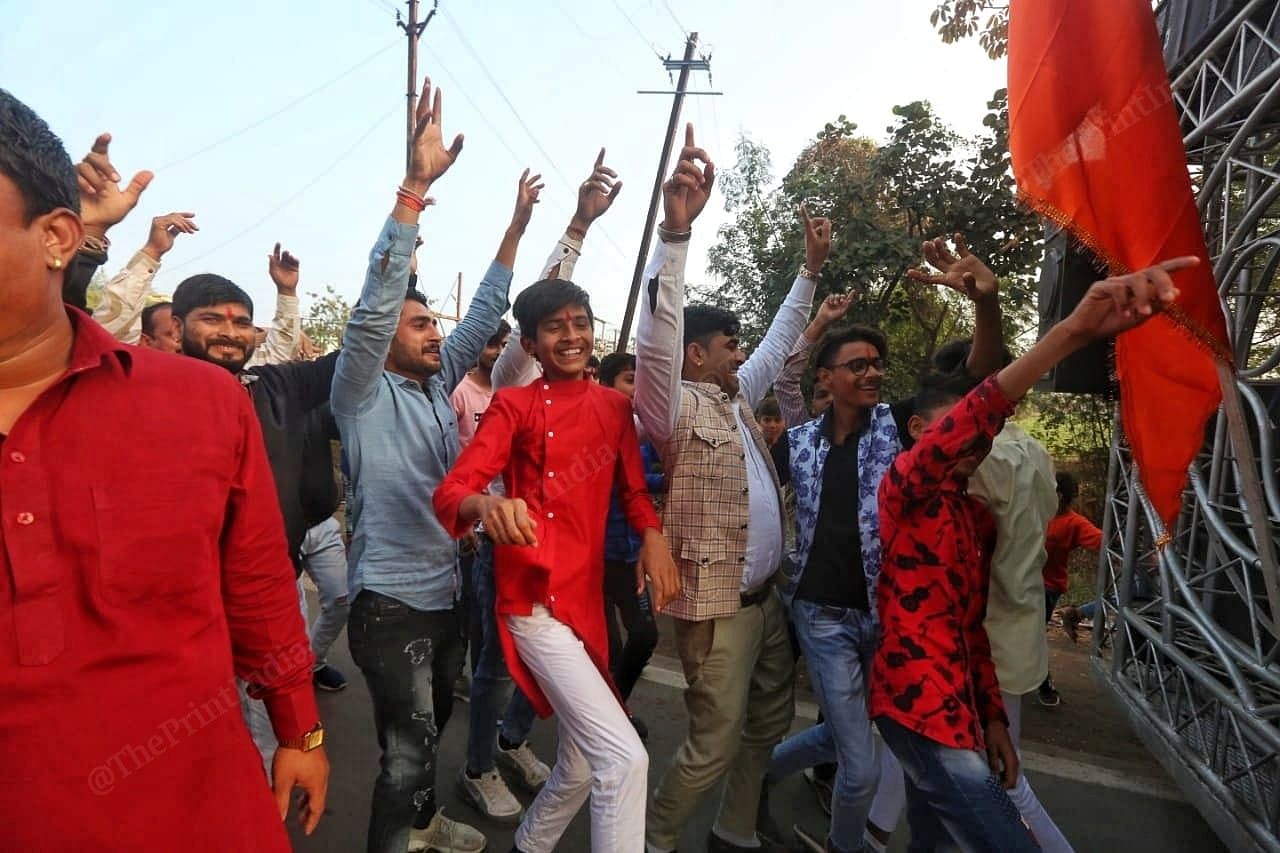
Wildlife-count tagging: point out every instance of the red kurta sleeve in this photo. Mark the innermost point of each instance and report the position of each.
(269, 642)
(482, 460)
(633, 486)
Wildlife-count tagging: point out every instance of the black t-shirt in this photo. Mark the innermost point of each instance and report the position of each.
(833, 574)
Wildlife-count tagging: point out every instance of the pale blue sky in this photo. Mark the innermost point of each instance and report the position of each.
(169, 80)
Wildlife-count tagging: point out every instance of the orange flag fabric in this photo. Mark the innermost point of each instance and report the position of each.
(1097, 149)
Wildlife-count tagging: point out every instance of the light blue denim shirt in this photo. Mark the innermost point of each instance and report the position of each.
(401, 437)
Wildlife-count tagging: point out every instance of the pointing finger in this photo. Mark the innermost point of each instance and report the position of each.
(1182, 263)
(600, 159)
(688, 135)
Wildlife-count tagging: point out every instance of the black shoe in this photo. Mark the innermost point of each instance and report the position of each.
(641, 728)
(328, 678)
(1049, 695)
(766, 827)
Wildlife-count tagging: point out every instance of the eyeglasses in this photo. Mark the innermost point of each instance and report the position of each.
(859, 366)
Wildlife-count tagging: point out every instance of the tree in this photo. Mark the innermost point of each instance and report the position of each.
(326, 319)
(884, 200)
(960, 19)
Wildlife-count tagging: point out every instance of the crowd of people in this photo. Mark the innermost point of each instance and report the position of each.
(511, 497)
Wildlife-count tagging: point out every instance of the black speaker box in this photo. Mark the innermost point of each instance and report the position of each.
(1066, 274)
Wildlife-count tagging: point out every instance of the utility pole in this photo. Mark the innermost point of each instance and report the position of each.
(413, 29)
(684, 66)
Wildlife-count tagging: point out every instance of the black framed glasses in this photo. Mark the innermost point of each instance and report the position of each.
(859, 366)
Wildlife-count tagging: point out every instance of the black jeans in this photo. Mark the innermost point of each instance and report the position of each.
(410, 660)
(627, 661)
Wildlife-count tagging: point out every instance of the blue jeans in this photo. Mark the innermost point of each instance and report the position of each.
(491, 684)
(324, 558)
(953, 798)
(837, 644)
(410, 660)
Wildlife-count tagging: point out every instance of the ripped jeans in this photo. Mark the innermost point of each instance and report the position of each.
(410, 660)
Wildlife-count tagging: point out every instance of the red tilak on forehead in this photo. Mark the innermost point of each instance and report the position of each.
(231, 315)
(568, 316)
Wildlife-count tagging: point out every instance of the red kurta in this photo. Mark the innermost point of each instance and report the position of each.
(559, 446)
(142, 560)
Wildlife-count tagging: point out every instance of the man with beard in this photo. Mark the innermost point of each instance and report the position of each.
(695, 391)
(120, 635)
(290, 400)
(391, 400)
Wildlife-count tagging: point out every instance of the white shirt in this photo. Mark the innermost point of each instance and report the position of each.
(764, 530)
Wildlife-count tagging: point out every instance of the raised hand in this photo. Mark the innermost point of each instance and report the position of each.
(164, 230)
(527, 193)
(817, 240)
(686, 194)
(102, 202)
(1120, 303)
(960, 270)
(596, 194)
(833, 308)
(283, 269)
(429, 159)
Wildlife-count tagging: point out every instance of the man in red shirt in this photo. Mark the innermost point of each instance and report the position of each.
(934, 693)
(127, 609)
(559, 444)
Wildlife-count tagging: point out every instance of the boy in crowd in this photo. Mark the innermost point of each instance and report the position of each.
(560, 444)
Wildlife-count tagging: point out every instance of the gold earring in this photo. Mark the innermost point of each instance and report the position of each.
(57, 263)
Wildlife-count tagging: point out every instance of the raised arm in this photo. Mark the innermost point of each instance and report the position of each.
(660, 328)
(595, 196)
(368, 335)
(762, 368)
(965, 272)
(285, 334)
(125, 295)
(787, 386)
(463, 346)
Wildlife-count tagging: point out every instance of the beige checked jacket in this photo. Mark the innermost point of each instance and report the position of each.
(705, 516)
(695, 430)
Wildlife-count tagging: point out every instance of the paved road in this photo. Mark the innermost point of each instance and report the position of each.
(1097, 807)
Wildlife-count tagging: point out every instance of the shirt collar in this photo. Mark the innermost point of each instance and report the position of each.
(94, 345)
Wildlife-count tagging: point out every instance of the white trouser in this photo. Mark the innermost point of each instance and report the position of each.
(255, 711)
(891, 798)
(599, 754)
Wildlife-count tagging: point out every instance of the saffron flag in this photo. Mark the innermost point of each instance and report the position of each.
(1097, 149)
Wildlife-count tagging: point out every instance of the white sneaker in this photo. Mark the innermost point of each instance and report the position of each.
(530, 772)
(446, 836)
(490, 796)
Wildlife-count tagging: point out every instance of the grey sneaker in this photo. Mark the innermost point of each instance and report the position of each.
(490, 796)
(446, 836)
(529, 771)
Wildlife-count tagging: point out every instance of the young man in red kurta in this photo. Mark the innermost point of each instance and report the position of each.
(560, 445)
(934, 692)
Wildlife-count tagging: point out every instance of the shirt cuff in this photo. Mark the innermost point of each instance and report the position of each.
(142, 259)
(293, 713)
(989, 392)
(396, 238)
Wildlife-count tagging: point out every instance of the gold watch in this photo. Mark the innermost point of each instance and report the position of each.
(306, 741)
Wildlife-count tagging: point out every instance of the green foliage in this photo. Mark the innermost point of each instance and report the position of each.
(326, 319)
(884, 200)
(960, 19)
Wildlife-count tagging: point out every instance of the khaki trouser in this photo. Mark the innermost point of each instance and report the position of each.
(740, 701)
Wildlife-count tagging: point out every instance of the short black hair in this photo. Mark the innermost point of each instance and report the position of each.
(34, 158)
(594, 361)
(951, 357)
(541, 300)
(415, 295)
(205, 289)
(703, 322)
(149, 312)
(836, 338)
(613, 365)
(768, 408)
(504, 329)
(1068, 488)
(938, 390)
